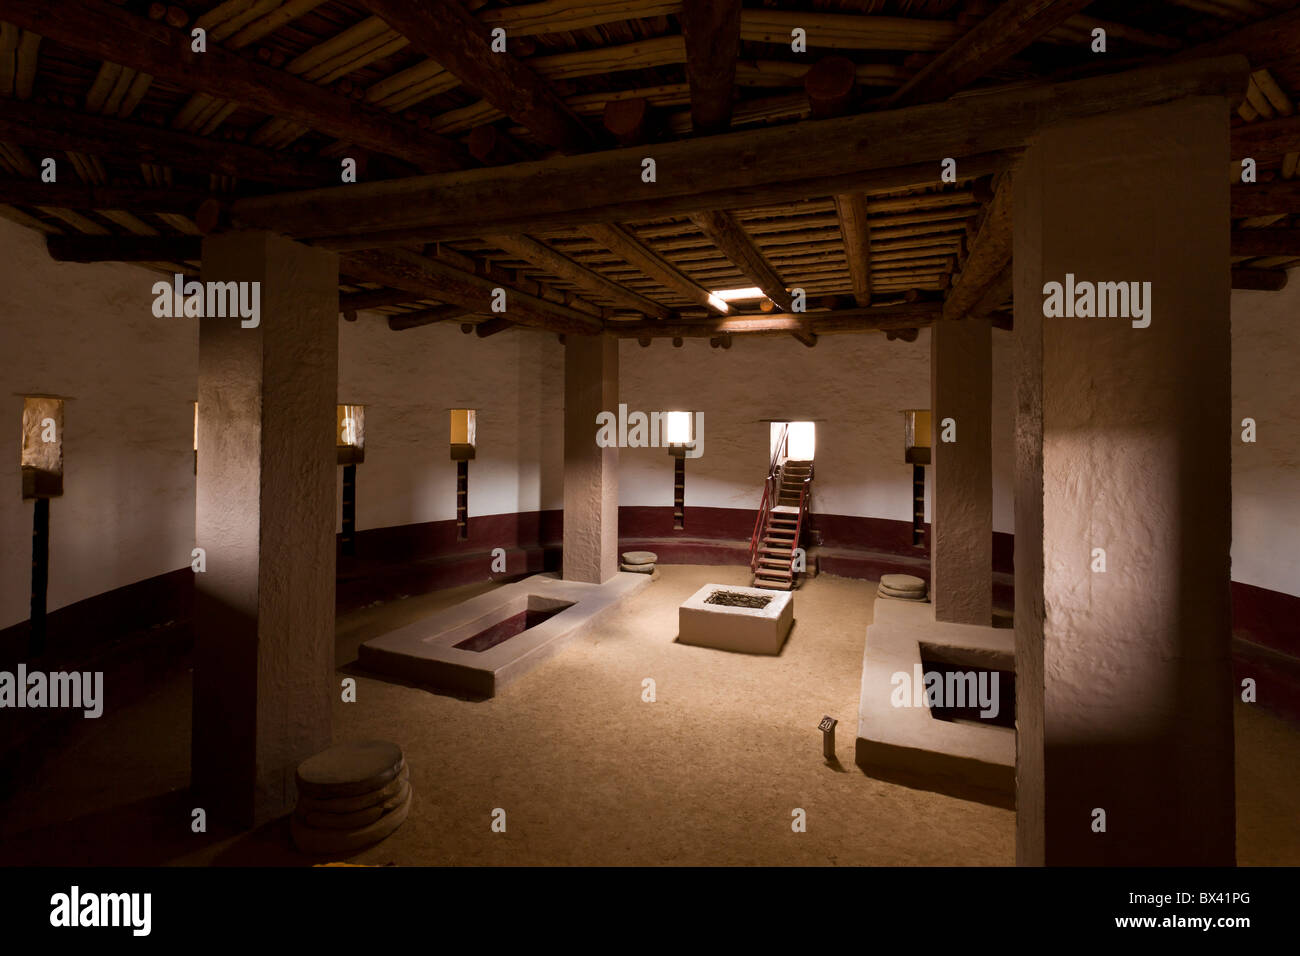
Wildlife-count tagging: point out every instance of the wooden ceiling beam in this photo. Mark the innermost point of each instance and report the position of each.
(492, 327)
(138, 199)
(988, 260)
(375, 299)
(1264, 199)
(711, 29)
(55, 129)
(735, 170)
(622, 243)
(106, 32)
(401, 269)
(413, 320)
(1266, 242)
(734, 243)
(1260, 280)
(124, 248)
(1011, 27)
(851, 209)
(1266, 138)
(559, 16)
(562, 267)
(877, 318)
(1264, 41)
(313, 216)
(446, 31)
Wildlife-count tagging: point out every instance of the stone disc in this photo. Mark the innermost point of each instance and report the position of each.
(639, 557)
(357, 818)
(359, 802)
(351, 769)
(903, 582)
(895, 592)
(316, 840)
(638, 568)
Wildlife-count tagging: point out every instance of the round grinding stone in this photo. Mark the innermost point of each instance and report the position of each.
(311, 839)
(357, 818)
(351, 769)
(360, 802)
(903, 582)
(638, 568)
(903, 596)
(639, 557)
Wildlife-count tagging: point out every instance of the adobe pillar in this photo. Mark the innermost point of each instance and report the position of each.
(590, 472)
(1124, 689)
(265, 511)
(961, 518)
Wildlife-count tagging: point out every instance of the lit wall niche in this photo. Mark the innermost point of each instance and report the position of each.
(350, 435)
(463, 438)
(916, 436)
(462, 434)
(42, 449)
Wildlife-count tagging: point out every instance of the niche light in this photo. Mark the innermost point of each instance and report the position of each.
(42, 447)
(350, 434)
(916, 436)
(463, 433)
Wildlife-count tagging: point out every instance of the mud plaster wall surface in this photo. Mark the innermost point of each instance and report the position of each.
(1266, 474)
(855, 387)
(409, 381)
(87, 332)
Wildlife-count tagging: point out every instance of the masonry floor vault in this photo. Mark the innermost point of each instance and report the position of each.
(587, 772)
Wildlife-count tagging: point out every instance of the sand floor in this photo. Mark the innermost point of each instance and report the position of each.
(585, 770)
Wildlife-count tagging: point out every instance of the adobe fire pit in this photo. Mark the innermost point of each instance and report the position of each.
(733, 618)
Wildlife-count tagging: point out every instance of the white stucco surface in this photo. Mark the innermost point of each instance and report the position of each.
(88, 332)
(1266, 474)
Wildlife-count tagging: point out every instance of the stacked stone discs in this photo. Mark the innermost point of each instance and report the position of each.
(350, 796)
(903, 587)
(639, 562)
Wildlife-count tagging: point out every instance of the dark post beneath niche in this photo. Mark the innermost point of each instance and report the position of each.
(462, 500)
(679, 493)
(40, 575)
(348, 541)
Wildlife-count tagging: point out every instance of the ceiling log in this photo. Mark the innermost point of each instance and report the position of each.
(1261, 280)
(1266, 138)
(711, 29)
(413, 320)
(400, 269)
(622, 243)
(492, 327)
(55, 128)
(1264, 199)
(876, 318)
(855, 230)
(734, 243)
(138, 199)
(1266, 242)
(561, 266)
(1011, 27)
(989, 257)
(446, 31)
(735, 170)
(124, 248)
(375, 299)
(107, 32)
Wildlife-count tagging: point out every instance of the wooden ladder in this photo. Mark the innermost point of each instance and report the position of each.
(785, 503)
